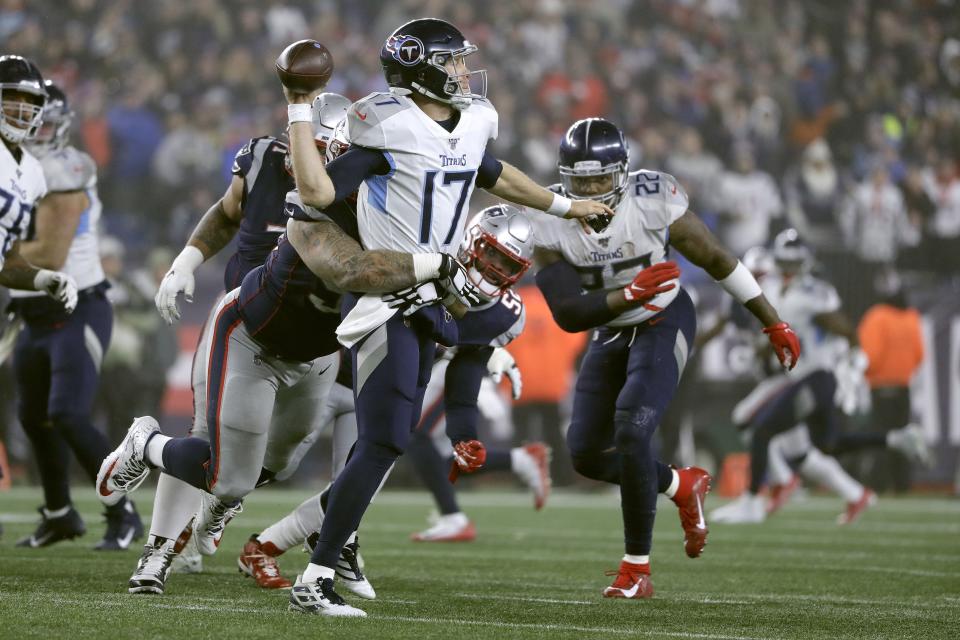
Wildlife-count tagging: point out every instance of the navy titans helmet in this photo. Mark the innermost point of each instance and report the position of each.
(54, 131)
(594, 147)
(791, 253)
(20, 75)
(415, 58)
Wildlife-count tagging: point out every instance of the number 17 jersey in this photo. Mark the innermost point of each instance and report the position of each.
(636, 238)
(422, 203)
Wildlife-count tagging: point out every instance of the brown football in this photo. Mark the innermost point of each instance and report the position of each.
(305, 66)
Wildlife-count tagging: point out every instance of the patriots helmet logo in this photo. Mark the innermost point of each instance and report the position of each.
(407, 50)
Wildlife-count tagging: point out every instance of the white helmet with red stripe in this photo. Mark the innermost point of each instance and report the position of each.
(497, 249)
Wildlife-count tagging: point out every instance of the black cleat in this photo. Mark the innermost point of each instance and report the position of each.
(51, 530)
(123, 527)
(153, 567)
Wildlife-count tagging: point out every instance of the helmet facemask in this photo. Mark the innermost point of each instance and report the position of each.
(54, 130)
(444, 81)
(491, 266)
(21, 113)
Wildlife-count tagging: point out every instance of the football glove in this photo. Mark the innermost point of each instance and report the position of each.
(468, 457)
(58, 286)
(173, 283)
(649, 283)
(502, 362)
(851, 384)
(412, 299)
(785, 344)
(454, 281)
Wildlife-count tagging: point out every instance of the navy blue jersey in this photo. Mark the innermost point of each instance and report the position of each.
(288, 309)
(262, 165)
(495, 325)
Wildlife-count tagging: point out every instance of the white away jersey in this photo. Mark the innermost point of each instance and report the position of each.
(70, 169)
(422, 204)
(21, 186)
(798, 303)
(635, 239)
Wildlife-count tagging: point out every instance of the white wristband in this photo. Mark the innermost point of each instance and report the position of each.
(426, 266)
(299, 113)
(559, 206)
(42, 279)
(741, 284)
(188, 260)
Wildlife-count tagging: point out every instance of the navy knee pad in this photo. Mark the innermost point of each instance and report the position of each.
(633, 430)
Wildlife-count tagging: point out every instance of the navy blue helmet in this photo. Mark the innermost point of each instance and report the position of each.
(54, 132)
(791, 253)
(22, 92)
(427, 56)
(594, 147)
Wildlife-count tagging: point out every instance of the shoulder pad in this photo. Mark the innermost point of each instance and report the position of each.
(825, 294)
(294, 207)
(68, 169)
(660, 196)
(366, 117)
(249, 159)
(488, 112)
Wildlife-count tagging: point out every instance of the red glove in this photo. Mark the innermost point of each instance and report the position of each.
(785, 343)
(468, 457)
(649, 283)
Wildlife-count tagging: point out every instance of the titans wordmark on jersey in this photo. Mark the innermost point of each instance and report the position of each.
(21, 185)
(636, 238)
(422, 203)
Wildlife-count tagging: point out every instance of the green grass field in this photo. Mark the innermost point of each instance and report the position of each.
(894, 574)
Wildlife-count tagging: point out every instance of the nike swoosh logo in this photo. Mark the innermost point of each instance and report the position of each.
(290, 211)
(39, 542)
(362, 116)
(701, 524)
(632, 591)
(124, 542)
(325, 369)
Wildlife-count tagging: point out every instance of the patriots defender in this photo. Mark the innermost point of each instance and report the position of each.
(251, 209)
(57, 355)
(795, 418)
(620, 282)
(22, 183)
(417, 152)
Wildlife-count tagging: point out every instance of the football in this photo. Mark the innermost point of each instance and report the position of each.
(305, 66)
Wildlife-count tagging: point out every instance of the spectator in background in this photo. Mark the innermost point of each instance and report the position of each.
(891, 336)
(813, 193)
(697, 170)
(943, 187)
(749, 201)
(545, 355)
(875, 219)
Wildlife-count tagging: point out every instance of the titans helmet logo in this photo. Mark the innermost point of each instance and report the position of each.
(407, 50)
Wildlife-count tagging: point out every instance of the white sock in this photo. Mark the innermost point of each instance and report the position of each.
(674, 484)
(637, 559)
(315, 572)
(352, 538)
(155, 449)
(58, 513)
(827, 471)
(459, 519)
(295, 526)
(174, 503)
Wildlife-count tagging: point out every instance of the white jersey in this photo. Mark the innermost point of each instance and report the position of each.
(635, 239)
(21, 186)
(70, 169)
(422, 204)
(799, 302)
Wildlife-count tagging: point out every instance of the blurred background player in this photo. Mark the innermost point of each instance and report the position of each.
(422, 148)
(831, 373)
(619, 280)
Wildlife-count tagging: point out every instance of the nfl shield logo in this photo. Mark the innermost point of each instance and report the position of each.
(604, 242)
(453, 142)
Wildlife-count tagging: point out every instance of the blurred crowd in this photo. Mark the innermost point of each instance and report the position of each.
(841, 119)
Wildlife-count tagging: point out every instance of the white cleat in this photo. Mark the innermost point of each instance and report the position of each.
(319, 598)
(453, 527)
(745, 509)
(211, 520)
(189, 559)
(909, 441)
(153, 568)
(531, 463)
(125, 468)
(349, 571)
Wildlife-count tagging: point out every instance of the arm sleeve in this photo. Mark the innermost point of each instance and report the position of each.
(461, 388)
(572, 310)
(349, 170)
(489, 171)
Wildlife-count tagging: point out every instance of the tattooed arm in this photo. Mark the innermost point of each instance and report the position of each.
(341, 262)
(221, 221)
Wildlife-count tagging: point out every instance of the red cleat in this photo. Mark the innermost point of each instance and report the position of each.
(780, 494)
(689, 498)
(534, 468)
(260, 566)
(854, 509)
(633, 581)
(450, 528)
